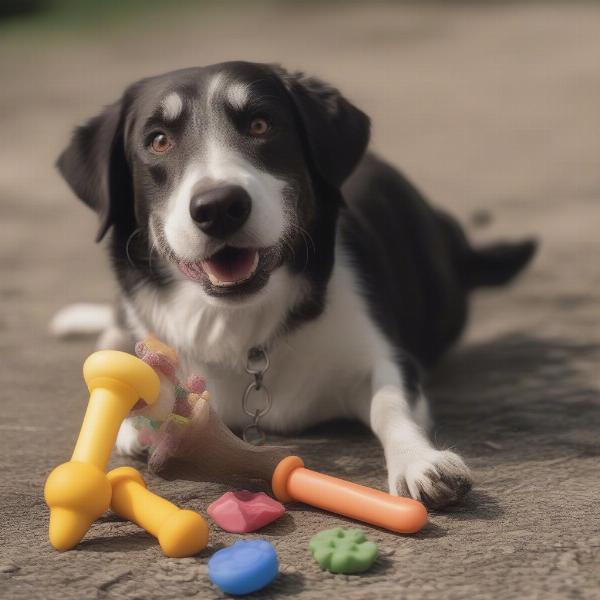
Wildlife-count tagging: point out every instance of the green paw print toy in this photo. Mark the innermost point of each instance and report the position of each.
(343, 550)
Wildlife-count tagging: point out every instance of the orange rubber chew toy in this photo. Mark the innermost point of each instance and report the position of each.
(180, 533)
(292, 482)
(78, 492)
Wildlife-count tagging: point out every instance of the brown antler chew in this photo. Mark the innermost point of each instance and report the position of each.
(203, 448)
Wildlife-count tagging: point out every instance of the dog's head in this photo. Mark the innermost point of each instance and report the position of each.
(221, 169)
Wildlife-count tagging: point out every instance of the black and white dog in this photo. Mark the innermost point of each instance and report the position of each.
(245, 213)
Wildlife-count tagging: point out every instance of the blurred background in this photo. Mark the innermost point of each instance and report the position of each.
(490, 108)
(493, 110)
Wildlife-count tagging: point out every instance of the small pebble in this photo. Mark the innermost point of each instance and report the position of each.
(243, 568)
(342, 550)
(8, 568)
(481, 217)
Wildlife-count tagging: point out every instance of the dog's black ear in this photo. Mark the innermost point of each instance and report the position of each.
(95, 166)
(337, 133)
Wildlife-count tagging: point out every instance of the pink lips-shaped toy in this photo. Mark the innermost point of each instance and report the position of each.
(243, 511)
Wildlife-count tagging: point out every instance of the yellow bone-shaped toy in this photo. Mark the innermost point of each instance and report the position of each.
(78, 491)
(180, 533)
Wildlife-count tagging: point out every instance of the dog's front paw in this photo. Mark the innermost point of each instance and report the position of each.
(437, 478)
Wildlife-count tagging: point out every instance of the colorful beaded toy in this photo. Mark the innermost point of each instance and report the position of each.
(182, 397)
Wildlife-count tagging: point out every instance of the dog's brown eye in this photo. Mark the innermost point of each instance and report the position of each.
(161, 143)
(258, 126)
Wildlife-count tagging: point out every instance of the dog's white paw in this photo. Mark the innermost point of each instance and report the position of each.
(435, 477)
(127, 443)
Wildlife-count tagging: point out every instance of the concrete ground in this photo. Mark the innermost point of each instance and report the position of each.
(492, 110)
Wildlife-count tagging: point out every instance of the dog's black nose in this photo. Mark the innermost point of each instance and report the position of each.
(221, 211)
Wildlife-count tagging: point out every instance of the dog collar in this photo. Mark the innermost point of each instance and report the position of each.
(257, 364)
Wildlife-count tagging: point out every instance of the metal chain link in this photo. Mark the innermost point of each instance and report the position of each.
(257, 365)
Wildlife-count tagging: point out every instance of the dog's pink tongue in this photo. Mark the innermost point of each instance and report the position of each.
(228, 268)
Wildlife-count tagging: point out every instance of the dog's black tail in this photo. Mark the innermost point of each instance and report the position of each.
(486, 266)
(496, 264)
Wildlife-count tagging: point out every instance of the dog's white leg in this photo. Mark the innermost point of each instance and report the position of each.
(127, 443)
(399, 417)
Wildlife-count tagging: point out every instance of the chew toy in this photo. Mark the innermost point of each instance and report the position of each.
(243, 568)
(343, 550)
(292, 482)
(180, 533)
(244, 511)
(78, 492)
(176, 397)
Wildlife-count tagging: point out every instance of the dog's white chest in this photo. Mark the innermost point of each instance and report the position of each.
(313, 370)
(302, 392)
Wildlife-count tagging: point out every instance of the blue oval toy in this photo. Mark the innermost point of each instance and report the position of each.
(245, 567)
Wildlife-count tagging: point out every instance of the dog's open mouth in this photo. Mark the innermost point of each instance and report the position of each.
(228, 267)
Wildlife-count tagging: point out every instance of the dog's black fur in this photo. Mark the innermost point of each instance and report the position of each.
(414, 260)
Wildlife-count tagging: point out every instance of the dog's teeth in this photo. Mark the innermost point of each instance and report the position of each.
(254, 264)
(217, 283)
